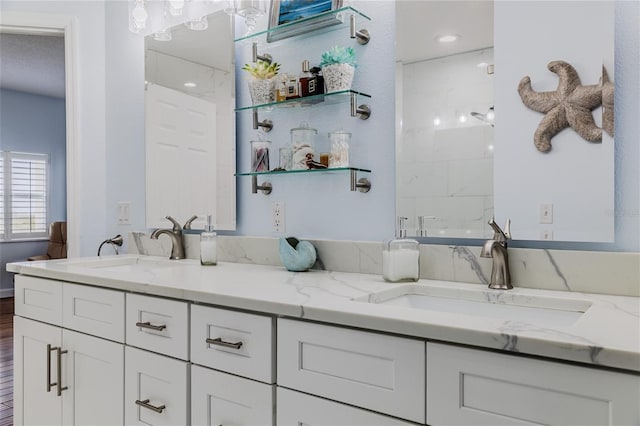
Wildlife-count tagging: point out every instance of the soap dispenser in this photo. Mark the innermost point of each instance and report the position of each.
(401, 257)
(208, 245)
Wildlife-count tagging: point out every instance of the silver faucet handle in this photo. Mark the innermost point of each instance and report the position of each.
(499, 234)
(187, 224)
(507, 229)
(176, 225)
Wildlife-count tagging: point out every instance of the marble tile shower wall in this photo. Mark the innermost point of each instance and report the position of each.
(615, 273)
(445, 166)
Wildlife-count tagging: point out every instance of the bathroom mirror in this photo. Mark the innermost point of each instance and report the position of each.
(464, 139)
(190, 125)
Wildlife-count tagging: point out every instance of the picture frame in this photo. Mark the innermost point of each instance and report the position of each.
(289, 18)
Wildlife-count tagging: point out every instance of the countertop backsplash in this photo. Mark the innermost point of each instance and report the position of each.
(615, 273)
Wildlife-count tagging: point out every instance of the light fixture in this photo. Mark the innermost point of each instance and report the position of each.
(447, 38)
(175, 7)
(436, 121)
(157, 17)
(138, 16)
(190, 84)
(249, 10)
(462, 118)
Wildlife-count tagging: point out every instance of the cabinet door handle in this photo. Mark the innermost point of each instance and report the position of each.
(49, 350)
(151, 326)
(59, 365)
(222, 343)
(146, 404)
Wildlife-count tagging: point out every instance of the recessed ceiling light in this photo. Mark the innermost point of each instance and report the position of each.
(447, 38)
(190, 84)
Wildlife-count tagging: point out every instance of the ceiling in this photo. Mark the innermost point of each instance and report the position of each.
(419, 22)
(32, 64)
(35, 63)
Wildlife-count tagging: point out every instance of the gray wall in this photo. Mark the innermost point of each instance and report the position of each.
(32, 123)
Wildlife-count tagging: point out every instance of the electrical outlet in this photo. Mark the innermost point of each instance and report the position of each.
(546, 213)
(546, 235)
(278, 217)
(124, 213)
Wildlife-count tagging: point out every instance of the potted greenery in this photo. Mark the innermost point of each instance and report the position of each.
(338, 66)
(262, 85)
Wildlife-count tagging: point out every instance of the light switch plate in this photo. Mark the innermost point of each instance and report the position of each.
(546, 213)
(124, 213)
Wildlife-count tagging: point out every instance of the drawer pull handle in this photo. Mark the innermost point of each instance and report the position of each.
(151, 326)
(59, 365)
(221, 342)
(58, 382)
(49, 350)
(146, 404)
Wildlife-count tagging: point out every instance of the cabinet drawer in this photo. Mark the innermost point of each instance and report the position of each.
(468, 386)
(295, 408)
(236, 342)
(39, 299)
(380, 372)
(222, 399)
(155, 389)
(94, 311)
(160, 325)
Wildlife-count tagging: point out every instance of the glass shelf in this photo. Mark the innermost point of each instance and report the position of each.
(323, 22)
(287, 172)
(355, 184)
(332, 98)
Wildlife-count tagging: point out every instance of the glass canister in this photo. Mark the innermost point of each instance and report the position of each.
(339, 156)
(260, 155)
(303, 135)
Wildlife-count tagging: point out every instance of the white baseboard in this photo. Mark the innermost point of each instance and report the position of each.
(6, 292)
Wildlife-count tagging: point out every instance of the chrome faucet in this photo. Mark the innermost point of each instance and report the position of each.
(496, 248)
(177, 243)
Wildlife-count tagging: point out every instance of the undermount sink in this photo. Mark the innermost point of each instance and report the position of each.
(482, 302)
(126, 263)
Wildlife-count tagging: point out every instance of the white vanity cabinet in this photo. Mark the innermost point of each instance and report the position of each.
(477, 387)
(156, 390)
(296, 408)
(370, 370)
(223, 399)
(232, 342)
(62, 376)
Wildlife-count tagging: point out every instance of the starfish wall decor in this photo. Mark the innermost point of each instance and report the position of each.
(570, 105)
(607, 103)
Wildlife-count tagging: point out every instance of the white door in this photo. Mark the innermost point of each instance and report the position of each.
(155, 389)
(35, 370)
(94, 375)
(222, 399)
(180, 156)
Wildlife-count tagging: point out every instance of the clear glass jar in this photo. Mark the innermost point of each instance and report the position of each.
(260, 156)
(401, 260)
(208, 248)
(340, 141)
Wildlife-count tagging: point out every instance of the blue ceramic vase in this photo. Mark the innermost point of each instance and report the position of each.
(296, 256)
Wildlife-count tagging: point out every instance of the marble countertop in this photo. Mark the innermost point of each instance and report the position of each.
(607, 334)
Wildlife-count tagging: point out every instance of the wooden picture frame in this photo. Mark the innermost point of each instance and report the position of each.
(288, 18)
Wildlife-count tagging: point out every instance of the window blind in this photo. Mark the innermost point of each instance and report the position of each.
(24, 195)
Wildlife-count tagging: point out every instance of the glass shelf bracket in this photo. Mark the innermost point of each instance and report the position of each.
(266, 124)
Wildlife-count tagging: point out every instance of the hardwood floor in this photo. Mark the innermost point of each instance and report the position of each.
(6, 361)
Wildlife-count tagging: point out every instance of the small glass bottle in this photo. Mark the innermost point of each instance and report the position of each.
(401, 257)
(208, 245)
(306, 81)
